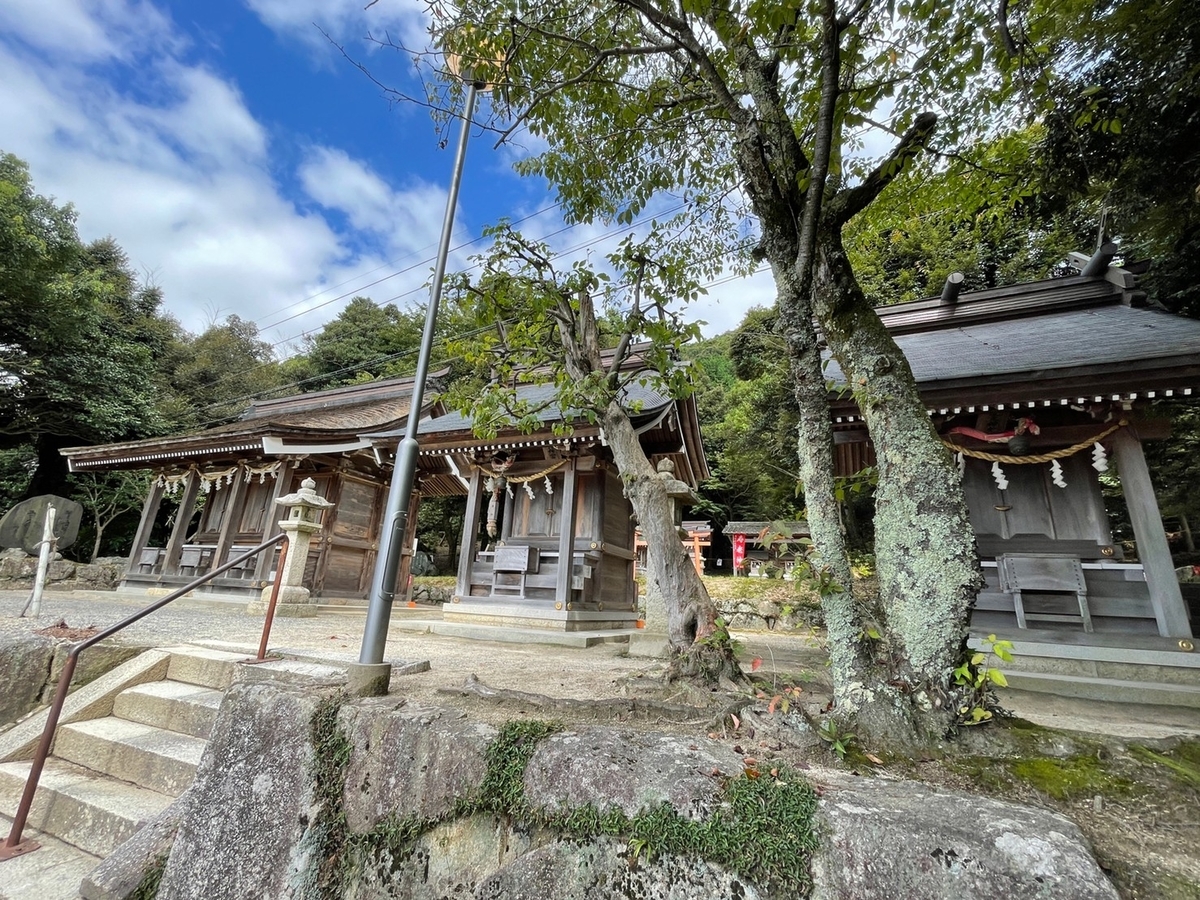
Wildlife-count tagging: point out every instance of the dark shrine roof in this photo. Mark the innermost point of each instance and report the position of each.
(649, 403)
(333, 418)
(794, 528)
(1055, 340)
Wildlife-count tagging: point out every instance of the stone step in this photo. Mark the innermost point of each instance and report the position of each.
(1115, 690)
(130, 751)
(198, 665)
(53, 872)
(76, 806)
(173, 705)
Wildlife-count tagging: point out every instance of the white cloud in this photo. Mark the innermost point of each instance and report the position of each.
(184, 181)
(86, 29)
(407, 221)
(345, 21)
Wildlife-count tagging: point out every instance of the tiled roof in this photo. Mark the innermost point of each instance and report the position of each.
(320, 416)
(1047, 345)
(647, 400)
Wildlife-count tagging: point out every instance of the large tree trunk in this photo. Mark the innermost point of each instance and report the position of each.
(925, 548)
(50, 475)
(848, 657)
(697, 648)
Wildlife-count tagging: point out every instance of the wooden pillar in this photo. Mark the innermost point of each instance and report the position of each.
(566, 534)
(233, 515)
(141, 540)
(187, 504)
(401, 586)
(1153, 551)
(466, 555)
(283, 483)
(507, 516)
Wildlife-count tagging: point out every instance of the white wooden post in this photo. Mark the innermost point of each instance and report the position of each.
(44, 552)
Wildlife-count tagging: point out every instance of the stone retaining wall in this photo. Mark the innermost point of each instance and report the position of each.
(17, 571)
(303, 794)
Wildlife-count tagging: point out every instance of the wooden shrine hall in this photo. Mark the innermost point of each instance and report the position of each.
(548, 537)
(239, 469)
(1040, 389)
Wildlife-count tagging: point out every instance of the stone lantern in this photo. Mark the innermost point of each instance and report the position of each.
(304, 509)
(680, 492)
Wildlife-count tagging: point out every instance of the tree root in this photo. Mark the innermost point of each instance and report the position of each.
(707, 663)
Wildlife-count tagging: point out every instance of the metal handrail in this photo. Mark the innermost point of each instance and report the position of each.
(13, 846)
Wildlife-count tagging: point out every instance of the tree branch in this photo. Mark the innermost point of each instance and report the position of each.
(849, 203)
(1005, 32)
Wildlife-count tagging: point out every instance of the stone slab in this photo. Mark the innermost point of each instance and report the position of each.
(1108, 689)
(507, 635)
(52, 872)
(23, 525)
(649, 645)
(72, 803)
(160, 760)
(122, 871)
(896, 840)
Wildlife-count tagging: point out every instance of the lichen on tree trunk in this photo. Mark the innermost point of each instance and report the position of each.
(848, 657)
(925, 548)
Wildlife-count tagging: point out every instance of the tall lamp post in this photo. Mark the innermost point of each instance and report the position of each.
(396, 525)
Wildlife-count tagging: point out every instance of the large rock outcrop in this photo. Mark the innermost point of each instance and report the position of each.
(31, 665)
(905, 841)
(250, 823)
(25, 670)
(305, 795)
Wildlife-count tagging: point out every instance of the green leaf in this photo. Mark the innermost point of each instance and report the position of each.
(997, 677)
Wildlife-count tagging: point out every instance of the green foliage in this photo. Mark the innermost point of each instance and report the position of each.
(1182, 761)
(1062, 779)
(106, 496)
(1121, 136)
(978, 677)
(147, 888)
(223, 369)
(364, 341)
(762, 829)
(840, 742)
(331, 755)
(83, 345)
(503, 789)
(535, 325)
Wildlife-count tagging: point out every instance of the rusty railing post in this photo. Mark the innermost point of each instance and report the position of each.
(266, 633)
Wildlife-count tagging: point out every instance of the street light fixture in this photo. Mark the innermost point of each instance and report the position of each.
(395, 535)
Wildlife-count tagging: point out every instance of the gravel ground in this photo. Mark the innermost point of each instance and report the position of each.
(599, 671)
(561, 671)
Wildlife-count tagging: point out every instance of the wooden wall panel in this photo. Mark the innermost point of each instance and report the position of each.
(356, 513)
(344, 571)
(618, 526)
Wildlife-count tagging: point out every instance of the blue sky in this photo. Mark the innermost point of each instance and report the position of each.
(246, 167)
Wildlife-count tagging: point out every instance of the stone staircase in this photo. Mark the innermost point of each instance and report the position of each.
(109, 775)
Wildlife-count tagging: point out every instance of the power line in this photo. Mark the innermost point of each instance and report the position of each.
(576, 248)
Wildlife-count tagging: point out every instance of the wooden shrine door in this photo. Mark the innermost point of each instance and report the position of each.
(350, 540)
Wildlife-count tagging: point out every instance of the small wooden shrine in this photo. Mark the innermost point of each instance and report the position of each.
(223, 483)
(548, 537)
(1039, 390)
(695, 536)
(758, 545)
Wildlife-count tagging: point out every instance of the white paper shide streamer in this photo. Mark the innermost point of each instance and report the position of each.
(1056, 474)
(998, 474)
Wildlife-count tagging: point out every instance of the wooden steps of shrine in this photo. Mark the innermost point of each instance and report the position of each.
(1144, 669)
